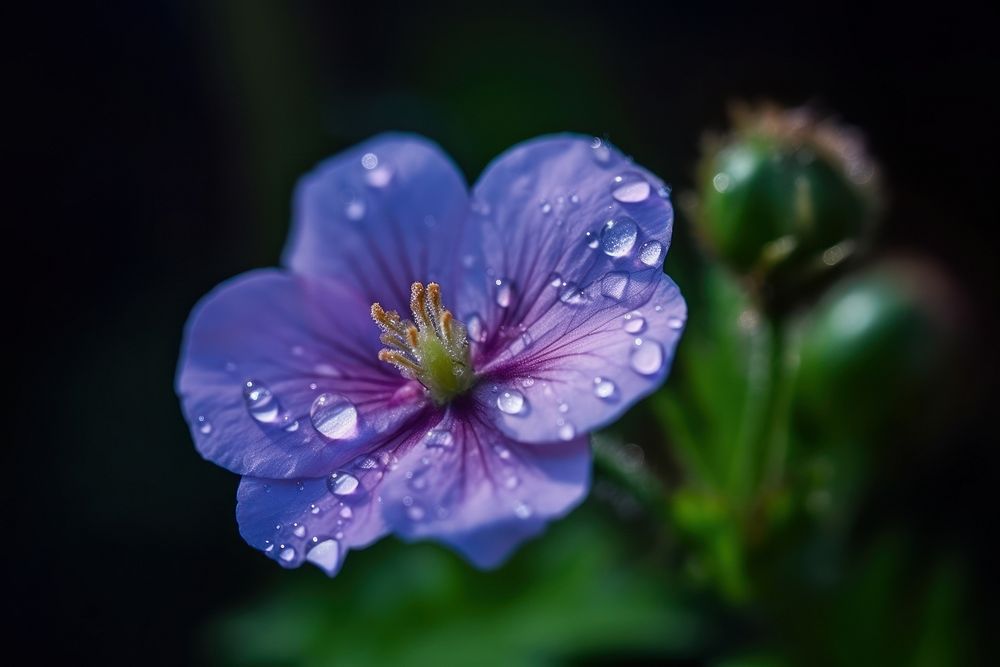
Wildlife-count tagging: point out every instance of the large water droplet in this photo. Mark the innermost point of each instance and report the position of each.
(342, 483)
(618, 236)
(505, 292)
(651, 253)
(613, 284)
(633, 323)
(326, 555)
(438, 437)
(511, 402)
(334, 416)
(604, 388)
(647, 357)
(261, 403)
(630, 188)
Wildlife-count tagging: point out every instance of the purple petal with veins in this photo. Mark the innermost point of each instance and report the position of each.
(551, 318)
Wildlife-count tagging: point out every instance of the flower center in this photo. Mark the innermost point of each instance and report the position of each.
(433, 348)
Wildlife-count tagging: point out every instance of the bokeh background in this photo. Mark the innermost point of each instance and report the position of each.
(156, 147)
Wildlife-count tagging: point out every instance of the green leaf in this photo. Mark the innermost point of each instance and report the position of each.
(579, 591)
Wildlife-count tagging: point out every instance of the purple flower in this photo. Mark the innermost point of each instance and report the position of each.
(507, 325)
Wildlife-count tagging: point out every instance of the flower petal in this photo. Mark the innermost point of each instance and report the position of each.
(468, 486)
(551, 219)
(586, 365)
(315, 520)
(380, 216)
(279, 377)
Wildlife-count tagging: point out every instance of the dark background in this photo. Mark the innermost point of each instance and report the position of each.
(154, 151)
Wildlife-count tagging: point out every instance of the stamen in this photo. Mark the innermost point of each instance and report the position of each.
(432, 348)
(399, 360)
(419, 306)
(447, 321)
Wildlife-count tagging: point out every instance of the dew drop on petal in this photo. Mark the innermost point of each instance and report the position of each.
(604, 389)
(618, 237)
(633, 323)
(369, 161)
(334, 416)
(326, 369)
(261, 403)
(522, 511)
(613, 284)
(647, 357)
(325, 554)
(546, 207)
(379, 178)
(511, 402)
(346, 512)
(567, 431)
(630, 188)
(437, 437)
(367, 463)
(342, 483)
(204, 426)
(592, 240)
(314, 509)
(476, 328)
(354, 209)
(651, 253)
(675, 322)
(299, 530)
(600, 151)
(555, 280)
(572, 295)
(505, 292)
(415, 512)
(287, 554)
(511, 482)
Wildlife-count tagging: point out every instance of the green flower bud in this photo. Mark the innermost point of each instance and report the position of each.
(785, 194)
(875, 348)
